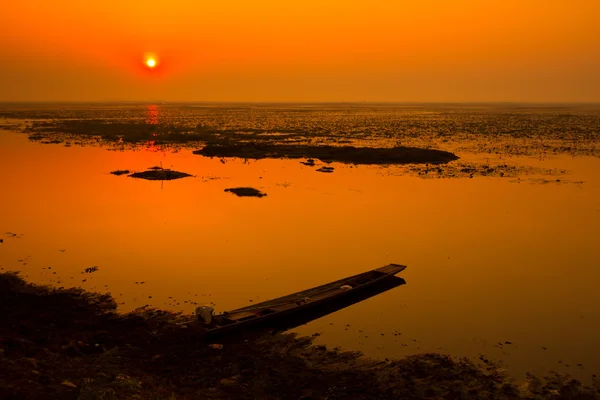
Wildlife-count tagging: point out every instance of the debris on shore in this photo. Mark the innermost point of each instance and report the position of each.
(246, 192)
(70, 343)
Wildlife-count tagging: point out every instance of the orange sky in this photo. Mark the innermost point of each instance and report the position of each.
(309, 50)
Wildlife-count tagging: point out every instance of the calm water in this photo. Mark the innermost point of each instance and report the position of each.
(489, 259)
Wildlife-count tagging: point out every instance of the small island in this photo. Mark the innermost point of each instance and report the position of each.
(246, 192)
(343, 154)
(159, 174)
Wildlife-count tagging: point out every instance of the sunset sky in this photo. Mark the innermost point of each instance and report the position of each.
(308, 50)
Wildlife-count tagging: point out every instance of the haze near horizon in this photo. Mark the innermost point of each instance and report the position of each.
(421, 51)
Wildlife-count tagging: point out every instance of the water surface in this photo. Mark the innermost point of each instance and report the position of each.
(490, 259)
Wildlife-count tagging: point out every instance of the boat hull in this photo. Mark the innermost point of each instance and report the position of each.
(283, 311)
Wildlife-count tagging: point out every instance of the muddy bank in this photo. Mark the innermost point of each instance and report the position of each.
(71, 344)
(343, 154)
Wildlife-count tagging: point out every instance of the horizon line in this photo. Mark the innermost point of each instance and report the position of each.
(514, 102)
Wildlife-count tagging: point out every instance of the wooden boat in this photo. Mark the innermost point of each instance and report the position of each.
(304, 301)
(303, 317)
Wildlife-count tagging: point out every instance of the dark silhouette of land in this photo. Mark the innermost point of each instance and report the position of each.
(343, 154)
(159, 174)
(246, 192)
(72, 344)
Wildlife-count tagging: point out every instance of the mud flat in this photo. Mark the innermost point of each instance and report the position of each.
(343, 154)
(72, 344)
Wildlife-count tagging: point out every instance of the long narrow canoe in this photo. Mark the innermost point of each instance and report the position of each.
(272, 310)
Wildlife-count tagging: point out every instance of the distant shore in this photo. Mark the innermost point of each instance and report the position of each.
(69, 343)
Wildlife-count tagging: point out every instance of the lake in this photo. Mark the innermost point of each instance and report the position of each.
(501, 245)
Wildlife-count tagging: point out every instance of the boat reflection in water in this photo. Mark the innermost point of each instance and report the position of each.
(356, 297)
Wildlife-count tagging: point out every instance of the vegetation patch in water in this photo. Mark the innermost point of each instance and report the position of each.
(343, 154)
(120, 172)
(159, 174)
(325, 169)
(488, 169)
(246, 192)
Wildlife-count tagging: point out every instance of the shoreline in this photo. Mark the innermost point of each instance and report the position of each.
(70, 343)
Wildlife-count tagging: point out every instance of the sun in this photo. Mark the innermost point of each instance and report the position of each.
(151, 62)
